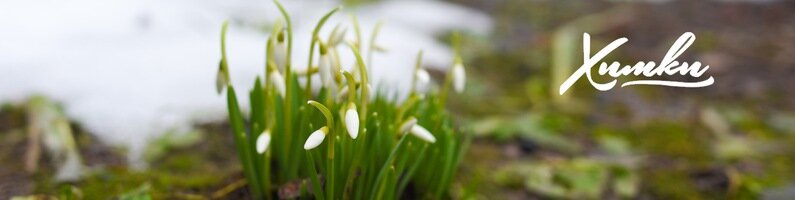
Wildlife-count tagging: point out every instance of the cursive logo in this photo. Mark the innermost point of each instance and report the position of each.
(668, 66)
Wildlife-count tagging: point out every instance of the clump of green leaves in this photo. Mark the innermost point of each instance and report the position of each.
(343, 142)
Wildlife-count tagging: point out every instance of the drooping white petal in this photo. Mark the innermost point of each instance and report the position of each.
(406, 125)
(263, 141)
(337, 38)
(459, 77)
(369, 88)
(278, 82)
(352, 121)
(220, 82)
(342, 92)
(423, 79)
(422, 133)
(316, 138)
(325, 70)
(280, 53)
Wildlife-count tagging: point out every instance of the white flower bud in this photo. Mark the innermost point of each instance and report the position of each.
(326, 70)
(316, 138)
(423, 79)
(220, 81)
(352, 121)
(369, 88)
(422, 133)
(342, 92)
(459, 77)
(337, 37)
(263, 141)
(278, 82)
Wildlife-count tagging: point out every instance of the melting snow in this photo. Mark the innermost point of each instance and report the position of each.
(130, 70)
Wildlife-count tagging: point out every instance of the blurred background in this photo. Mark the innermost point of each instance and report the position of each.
(132, 82)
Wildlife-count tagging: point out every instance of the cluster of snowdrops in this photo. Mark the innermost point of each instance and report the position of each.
(341, 142)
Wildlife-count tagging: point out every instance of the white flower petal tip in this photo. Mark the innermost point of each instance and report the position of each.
(316, 138)
(459, 77)
(370, 94)
(325, 70)
(280, 52)
(342, 92)
(352, 121)
(278, 82)
(263, 141)
(220, 81)
(422, 133)
(406, 125)
(423, 78)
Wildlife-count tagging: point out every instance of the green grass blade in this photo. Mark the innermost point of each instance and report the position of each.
(315, 180)
(386, 166)
(238, 126)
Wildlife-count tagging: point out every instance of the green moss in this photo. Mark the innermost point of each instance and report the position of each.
(112, 183)
(667, 184)
(197, 170)
(672, 140)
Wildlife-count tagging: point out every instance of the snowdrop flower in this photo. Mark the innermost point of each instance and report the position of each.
(316, 138)
(352, 120)
(415, 129)
(278, 82)
(336, 36)
(406, 125)
(280, 51)
(459, 77)
(344, 91)
(423, 79)
(422, 133)
(220, 80)
(263, 141)
(325, 68)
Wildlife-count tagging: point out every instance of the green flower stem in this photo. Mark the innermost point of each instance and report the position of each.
(351, 86)
(308, 73)
(224, 63)
(289, 34)
(314, 40)
(449, 78)
(288, 77)
(364, 82)
(224, 27)
(351, 99)
(269, 67)
(357, 29)
(334, 39)
(373, 37)
(417, 66)
(331, 137)
(404, 108)
(325, 111)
